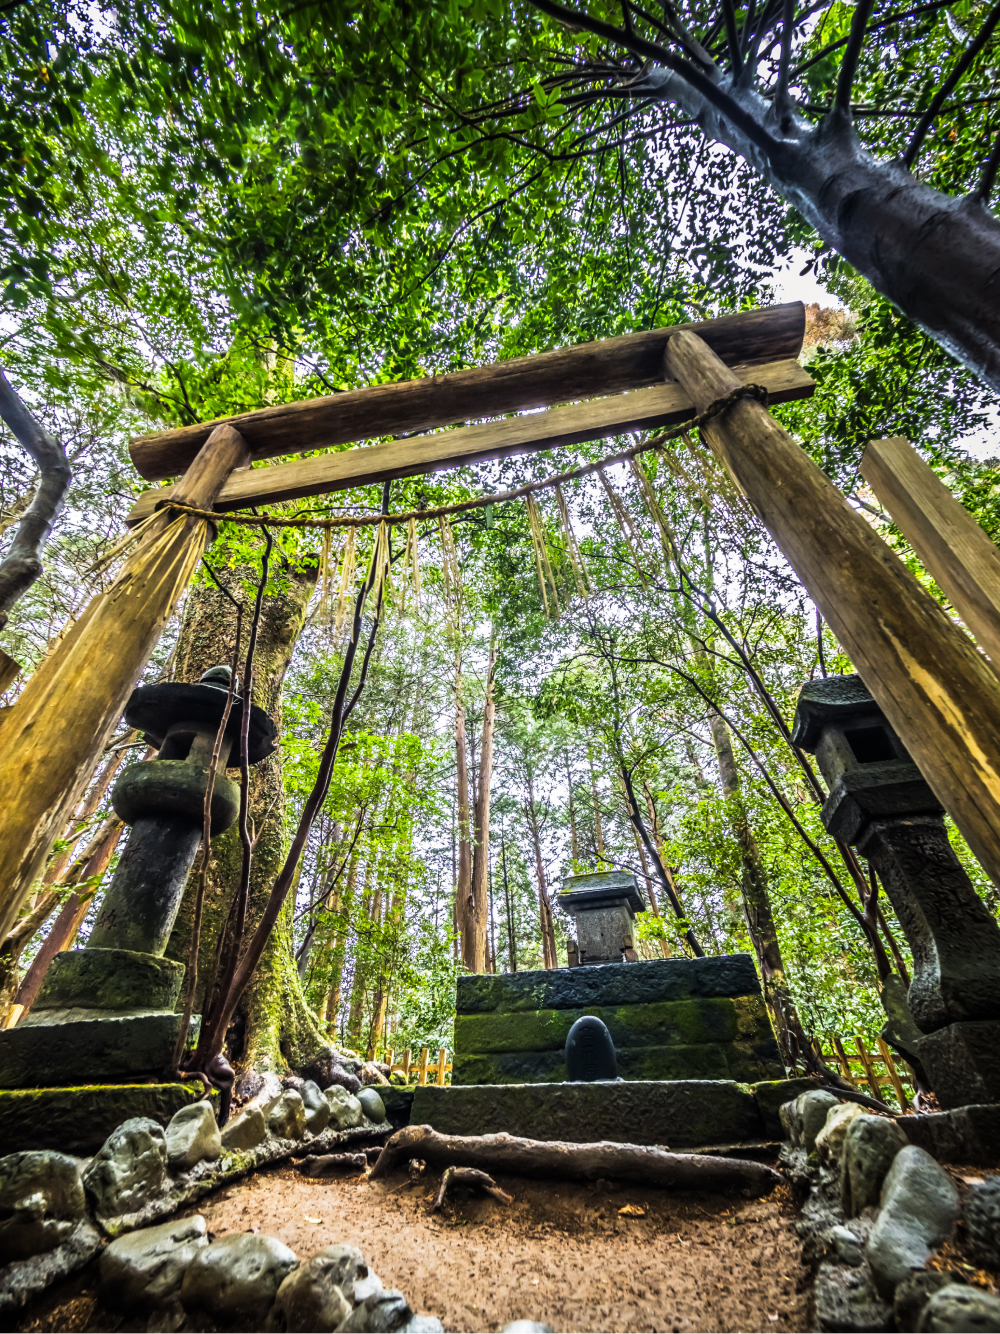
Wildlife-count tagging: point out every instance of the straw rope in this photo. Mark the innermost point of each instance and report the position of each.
(752, 391)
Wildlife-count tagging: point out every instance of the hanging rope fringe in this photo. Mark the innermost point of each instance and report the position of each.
(653, 506)
(572, 546)
(126, 544)
(542, 565)
(631, 536)
(346, 585)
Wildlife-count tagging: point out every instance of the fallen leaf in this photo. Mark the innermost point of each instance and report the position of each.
(773, 1317)
(311, 1220)
(632, 1211)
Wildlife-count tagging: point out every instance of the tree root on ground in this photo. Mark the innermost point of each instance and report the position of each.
(578, 1162)
(469, 1176)
(328, 1163)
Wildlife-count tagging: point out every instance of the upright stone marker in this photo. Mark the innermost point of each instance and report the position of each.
(590, 1053)
(880, 804)
(106, 1012)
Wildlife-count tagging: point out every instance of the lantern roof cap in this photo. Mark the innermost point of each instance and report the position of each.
(595, 889)
(836, 699)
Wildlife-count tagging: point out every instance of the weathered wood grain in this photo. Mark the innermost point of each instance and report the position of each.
(954, 550)
(938, 692)
(61, 722)
(607, 366)
(642, 410)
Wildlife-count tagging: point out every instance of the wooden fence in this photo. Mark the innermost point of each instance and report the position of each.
(861, 1067)
(417, 1072)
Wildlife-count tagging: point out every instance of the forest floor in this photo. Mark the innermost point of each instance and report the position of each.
(561, 1253)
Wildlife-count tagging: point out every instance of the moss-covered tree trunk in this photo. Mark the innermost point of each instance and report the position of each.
(273, 1027)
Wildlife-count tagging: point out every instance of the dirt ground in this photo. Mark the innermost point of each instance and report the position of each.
(561, 1253)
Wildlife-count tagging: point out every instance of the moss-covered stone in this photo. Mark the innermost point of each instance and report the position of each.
(71, 1047)
(617, 984)
(97, 979)
(79, 1120)
(685, 1061)
(709, 1019)
(687, 1114)
(771, 1094)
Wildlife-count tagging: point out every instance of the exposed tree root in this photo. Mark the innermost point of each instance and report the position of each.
(328, 1163)
(469, 1176)
(578, 1162)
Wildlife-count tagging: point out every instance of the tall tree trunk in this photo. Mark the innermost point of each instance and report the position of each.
(598, 827)
(574, 842)
(757, 899)
(549, 959)
(475, 944)
(511, 939)
(273, 1028)
(464, 916)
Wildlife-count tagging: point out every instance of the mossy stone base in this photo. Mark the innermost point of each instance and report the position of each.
(97, 979)
(612, 984)
(69, 1047)
(682, 1114)
(79, 1120)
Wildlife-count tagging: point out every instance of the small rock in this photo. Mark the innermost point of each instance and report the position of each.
(238, 1275)
(287, 1116)
(428, 1324)
(846, 1301)
(384, 1312)
(960, 1310)
(192, 1136)
(147, 1267)
(328, 1067)
(919, 1206)
(309, 1299)
(41, 1201)
(365, 1284)
(791, 1123)
(371, 1074)
(372, 1105)
(166, 1319)
(527, 1327)
(129, 1168)
(317, 1107)
(982, 1219)
(915, 1292)
(870, 1145)
(245, 1131)
(848, 1247)
(830, 1140)
(814, 1107)
(345, 1266)
(345, 1110)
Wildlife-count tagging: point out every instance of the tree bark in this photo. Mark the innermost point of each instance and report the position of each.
(464, 916)
(22, 564)
(546, 925)
(578, 1162)
(273, 1027)
(475, 952)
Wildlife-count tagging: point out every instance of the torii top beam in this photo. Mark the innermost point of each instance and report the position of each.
(588, 370)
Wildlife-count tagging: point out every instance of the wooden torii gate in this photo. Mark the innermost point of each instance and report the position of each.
(940, 694)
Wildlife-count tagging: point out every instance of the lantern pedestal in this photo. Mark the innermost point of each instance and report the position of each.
(880, 804)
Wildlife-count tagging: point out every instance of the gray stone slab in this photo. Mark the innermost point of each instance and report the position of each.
(681, 1114)
(97, 1045)
(609, 984)
(79, 1120)
(967, 1135)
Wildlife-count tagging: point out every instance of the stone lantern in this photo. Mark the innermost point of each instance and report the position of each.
(107, 1011)
(604, 904)
(880, 804)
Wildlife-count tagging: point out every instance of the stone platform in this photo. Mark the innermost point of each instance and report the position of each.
(670, 1019)
(79, 1120)
(677, 1114)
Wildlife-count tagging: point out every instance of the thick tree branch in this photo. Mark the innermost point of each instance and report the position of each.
(23, 563)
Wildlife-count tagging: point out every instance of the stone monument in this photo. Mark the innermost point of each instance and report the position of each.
(106, 1013)
(604, 904)
(880, 803)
